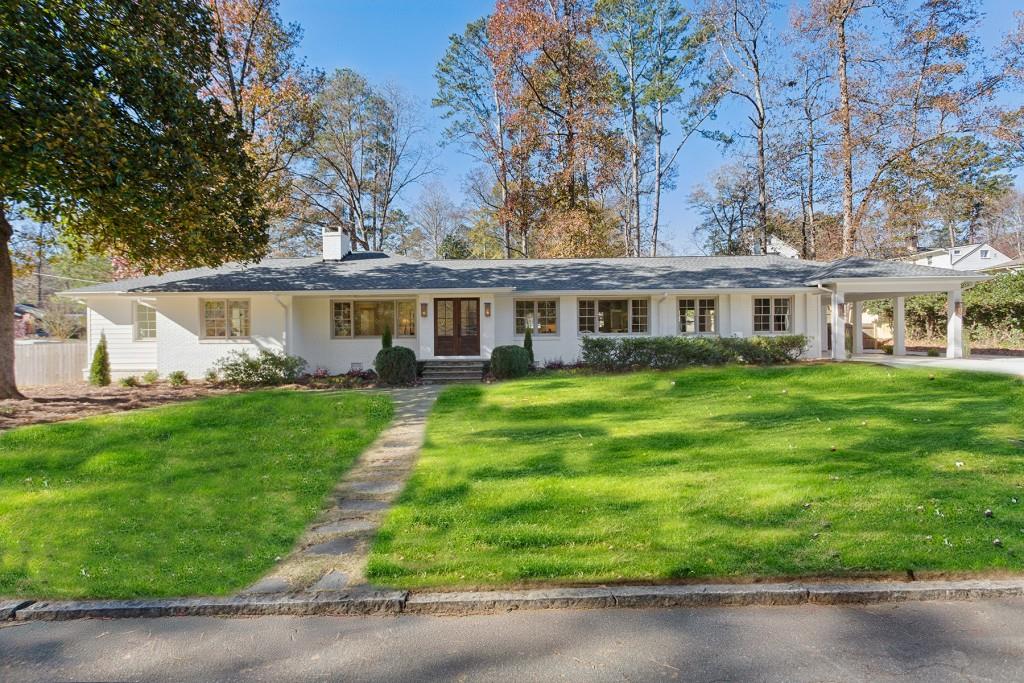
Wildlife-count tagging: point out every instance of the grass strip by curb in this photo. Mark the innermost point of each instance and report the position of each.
(485, 602)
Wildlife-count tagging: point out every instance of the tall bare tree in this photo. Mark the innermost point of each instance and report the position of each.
(367, 151)
(745, 39)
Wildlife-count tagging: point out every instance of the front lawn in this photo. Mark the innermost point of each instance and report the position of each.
(192, 499)
(713, 473)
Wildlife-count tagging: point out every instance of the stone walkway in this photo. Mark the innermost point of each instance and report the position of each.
(331, 555)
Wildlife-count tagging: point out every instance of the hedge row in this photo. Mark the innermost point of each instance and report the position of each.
(663, 353)
(992, 309)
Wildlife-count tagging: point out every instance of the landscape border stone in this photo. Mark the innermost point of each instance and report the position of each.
(388, 602)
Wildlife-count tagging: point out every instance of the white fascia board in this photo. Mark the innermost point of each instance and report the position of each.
(320, 292)
(610, 293)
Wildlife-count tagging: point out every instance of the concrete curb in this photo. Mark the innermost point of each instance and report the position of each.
(377, 602)
(9, 607)
(484, 602)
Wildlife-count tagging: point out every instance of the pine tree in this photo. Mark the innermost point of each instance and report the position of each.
(528, 343)
(99, 371)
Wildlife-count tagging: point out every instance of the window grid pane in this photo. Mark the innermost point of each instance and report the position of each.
(215, 322)
(406, 318)
(547, 317)
(524, 316)
(145, 322)
(445, 318)
(781, 316)
(341, 312)
(687, 316)
(706, 316)
(762, 315)
(587, 316)
(639, 321)
(239, 316)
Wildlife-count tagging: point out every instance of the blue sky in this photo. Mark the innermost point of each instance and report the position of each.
(400, 41)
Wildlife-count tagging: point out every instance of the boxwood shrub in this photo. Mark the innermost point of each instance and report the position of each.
(508, 362)
(663, 353)
(395, 365)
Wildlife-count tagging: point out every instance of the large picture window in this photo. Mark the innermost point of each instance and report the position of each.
(614, 316)
(365, 318)
(773, 314)
(145, 322)
(698, 316)
(540, 317)
(226, 319)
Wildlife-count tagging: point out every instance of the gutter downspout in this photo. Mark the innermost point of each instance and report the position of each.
(286, 333)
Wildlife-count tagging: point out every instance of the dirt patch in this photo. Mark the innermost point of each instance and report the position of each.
(72, 401)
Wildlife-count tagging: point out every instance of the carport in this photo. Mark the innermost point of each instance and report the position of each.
(845, 285)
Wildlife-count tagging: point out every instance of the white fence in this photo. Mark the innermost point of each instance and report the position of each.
(49, 362)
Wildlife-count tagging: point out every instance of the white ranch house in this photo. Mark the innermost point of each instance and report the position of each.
(332, 310)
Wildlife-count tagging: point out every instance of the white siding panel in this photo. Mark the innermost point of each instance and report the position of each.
(178, 333)
(113, 317)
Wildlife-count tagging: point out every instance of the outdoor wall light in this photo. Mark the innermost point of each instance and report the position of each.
(487, 309)
(423, 310)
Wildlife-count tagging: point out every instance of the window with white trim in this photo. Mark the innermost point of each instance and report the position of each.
(539, 316)
(985, 253)
(773, 314)
(698, 316)
(613, 316)
(145, 322)
(366, 318)
(226, 318)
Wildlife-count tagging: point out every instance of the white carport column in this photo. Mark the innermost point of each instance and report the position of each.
(955, 324)
(838, 326)
(899, 327)
(858, 327)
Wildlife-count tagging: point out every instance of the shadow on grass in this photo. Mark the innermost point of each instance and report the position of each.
(714, 472)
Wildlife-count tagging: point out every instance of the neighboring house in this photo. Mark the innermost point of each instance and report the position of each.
(780, 247)
(971, 257)
(1011, 266)
(333, 310)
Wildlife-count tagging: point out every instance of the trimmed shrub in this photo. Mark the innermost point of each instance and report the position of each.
(664, 353)
(129, 381)
(385, 340)
(151, 377)
(509, 362)
(99, 371)
(264, 369)
(395, 365)
(528, 344)
(178, 378)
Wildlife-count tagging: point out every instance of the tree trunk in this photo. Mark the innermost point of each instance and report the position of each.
(656, 199)
(8, 386)
(634, 152)
(811, 245)
(849, 229)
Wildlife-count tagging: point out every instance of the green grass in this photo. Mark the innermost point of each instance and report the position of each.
(191, 499)
(713, 473)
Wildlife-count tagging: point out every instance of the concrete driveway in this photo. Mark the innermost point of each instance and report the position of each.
(926, 641)
(1006, 365)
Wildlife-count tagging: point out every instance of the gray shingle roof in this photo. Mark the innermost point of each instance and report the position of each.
(379, 272)
(857, 267)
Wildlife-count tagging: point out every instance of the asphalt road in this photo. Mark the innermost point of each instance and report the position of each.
(908, 642)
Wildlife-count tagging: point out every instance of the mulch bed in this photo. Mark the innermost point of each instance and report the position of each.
(72, 401)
